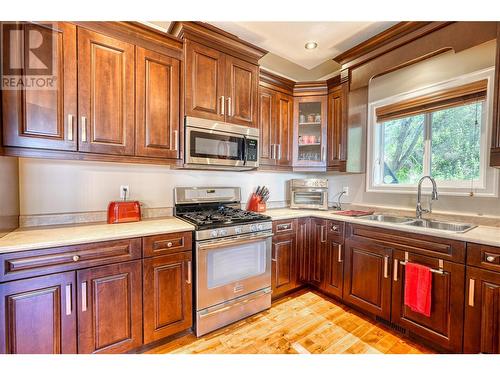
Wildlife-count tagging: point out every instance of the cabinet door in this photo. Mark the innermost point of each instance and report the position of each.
(367, 282)
(337, 126)
(482, 311)
(303, 248)
(37, 316)
(242, 81)
(284, 264)
(204, 96)
(110, 308)
(284, 129)
(157, 105)
(167, 294)
(333, 266)
(44, 118)
(445, 325)
(317, 250)
(105, 94)
(267, 125)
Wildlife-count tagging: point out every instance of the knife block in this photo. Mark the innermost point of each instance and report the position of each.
(255, 204)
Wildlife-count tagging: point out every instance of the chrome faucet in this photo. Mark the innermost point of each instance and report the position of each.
(434, 196)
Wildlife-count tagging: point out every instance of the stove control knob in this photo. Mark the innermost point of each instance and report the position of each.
(253, 227)
(223, 232)
(213, 233)
(260, 226)
(237, 230)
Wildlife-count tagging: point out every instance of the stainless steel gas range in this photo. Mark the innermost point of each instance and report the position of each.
(233, 255)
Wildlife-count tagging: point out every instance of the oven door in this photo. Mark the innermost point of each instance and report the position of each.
(309, 198)
(232, 267)
(212, 147)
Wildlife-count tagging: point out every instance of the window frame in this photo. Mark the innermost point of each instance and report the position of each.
(486, 186)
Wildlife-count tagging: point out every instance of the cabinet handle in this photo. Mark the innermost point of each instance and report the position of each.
(170, 244)
(229, 107)
(472, 285)
(395, 271)
(323, 153)
(386, 267)
(68, 299)
(340, 253)
(279, 151)
(335, 228)
(323, 233)
(176, 140)
(84, 296)
(490, 258)
(70, 127)
(189, 272)
(222, 105)
(284, 226)
(76, 258)
(84, 129)
(340, 151)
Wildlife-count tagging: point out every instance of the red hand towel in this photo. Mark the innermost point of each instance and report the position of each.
(418, 288)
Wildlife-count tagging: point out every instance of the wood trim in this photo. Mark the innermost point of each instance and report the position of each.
(276, 82)
(72, 155)
(446, 98)
(214, 37)
(393, 37)
(495, 135)
(311, 88)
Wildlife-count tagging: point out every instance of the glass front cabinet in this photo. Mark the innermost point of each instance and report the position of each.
(310, 133)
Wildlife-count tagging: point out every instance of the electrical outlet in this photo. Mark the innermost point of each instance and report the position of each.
(345, 189)
(124, 191)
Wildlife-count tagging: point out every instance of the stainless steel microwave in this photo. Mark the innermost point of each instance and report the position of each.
(309, 193)
(220, 145)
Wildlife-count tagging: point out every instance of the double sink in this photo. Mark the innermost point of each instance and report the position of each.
(422, 223)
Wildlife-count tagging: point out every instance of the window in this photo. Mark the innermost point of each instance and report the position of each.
(440, 131)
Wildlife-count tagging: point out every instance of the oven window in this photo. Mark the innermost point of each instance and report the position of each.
(218, 146)
(309, 197)
(238, 262)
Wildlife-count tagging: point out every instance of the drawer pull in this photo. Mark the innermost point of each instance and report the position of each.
(68, 299)
(335, 228)
(170, 244)
(284, 226)
(84, 296)
(472, 285)
(76, 258)
(490, 258)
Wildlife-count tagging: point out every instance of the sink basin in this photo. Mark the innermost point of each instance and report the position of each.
(441, 225)
(388, 219)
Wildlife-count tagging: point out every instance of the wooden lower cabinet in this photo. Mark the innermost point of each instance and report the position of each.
(303, 245)
(284, 264)
(38, 315)
(110, 308)
(482, 311)
(167, 295)
(445, 325)
(317, 249)
(333, 268)
(367, 280)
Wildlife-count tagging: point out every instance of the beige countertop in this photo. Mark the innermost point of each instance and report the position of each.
(53, 236)
(481, 234)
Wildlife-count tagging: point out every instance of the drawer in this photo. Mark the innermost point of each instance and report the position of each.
(437, 247)
(24, 264)
(284, 226)
(167, 243)
(336, 230)
(484, 256)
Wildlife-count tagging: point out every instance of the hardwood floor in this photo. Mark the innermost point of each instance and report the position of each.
(304, 322)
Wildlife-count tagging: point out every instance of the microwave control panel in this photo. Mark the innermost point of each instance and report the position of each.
(251, 150)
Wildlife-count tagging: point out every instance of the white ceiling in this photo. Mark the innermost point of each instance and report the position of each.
(285, 41)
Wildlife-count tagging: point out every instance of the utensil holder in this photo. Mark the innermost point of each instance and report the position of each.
(255, 204)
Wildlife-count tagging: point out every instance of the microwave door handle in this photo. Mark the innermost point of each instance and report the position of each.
(245, 151)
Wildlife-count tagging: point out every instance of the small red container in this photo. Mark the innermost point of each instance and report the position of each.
(124, 212)
(254, 204)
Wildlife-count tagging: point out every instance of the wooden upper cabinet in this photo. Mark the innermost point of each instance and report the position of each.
(167, 295)
(267, 125)
(284, 130)
(445, 325)
(337, 127)
(43, 118)
(242, 80)
(110, 308)
(204, 95)
(38, 315)
(105, 94)
(482, 311)
(157, 105)
(367, 277)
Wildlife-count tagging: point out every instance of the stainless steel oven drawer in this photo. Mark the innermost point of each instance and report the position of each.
(218, 316)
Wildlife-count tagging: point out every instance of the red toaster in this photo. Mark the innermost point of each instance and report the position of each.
(124, 212)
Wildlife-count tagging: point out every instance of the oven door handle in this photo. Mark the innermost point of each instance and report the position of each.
(232, 304)
(237, 240)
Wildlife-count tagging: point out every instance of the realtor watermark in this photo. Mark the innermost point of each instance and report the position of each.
(28, 52)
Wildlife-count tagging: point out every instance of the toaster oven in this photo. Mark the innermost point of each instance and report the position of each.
(309, 193)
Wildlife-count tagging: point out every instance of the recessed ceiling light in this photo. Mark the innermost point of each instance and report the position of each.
(311, 45)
